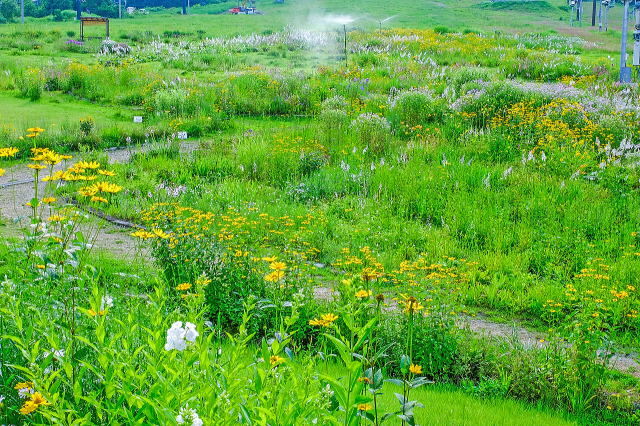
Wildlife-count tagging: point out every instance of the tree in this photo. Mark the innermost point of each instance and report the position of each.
(106, 8)
(8, 10)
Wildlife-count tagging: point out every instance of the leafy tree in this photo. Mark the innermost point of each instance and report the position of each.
(8, 10)
(106, 8)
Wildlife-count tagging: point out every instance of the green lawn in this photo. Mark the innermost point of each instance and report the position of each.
(56, 109)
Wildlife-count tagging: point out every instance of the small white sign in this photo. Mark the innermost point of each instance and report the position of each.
(137, 119)
(182, 135)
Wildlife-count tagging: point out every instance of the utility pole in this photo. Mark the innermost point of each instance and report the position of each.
(636, 37)
(78, 9)
(593, 14)
(625, 71)
(120, 9)
(184, 7)
(22, 11)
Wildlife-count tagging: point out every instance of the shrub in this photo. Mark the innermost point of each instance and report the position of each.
(87, 125)
(373, 131)
(413, 108)
(31, 84)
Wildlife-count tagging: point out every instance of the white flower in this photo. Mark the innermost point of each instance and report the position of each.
(188, 414)
(178, 336)
(106, 302)
(191, 332)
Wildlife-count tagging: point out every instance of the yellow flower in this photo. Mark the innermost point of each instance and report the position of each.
(183, 286)
(96, 199)
(33, 403)
(203, 281)
(365, 407)
(362, 294)
(35, 130)
(278, 266)
(274, 276)
(106, 173)
(2, 172)
(329, 318)
(161, 234)
(23, 385)
(38, 399)
(8, 152)
(28, 408)
(415, 369)
(142, 234)
(276, 360)
(48, 200)
(56, 218)
(411, 304)
(36, 166)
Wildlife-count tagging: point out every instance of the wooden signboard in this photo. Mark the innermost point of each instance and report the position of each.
(93, 21)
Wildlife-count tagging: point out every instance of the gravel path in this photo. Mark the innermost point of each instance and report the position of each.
(510, 332)
(17, 188)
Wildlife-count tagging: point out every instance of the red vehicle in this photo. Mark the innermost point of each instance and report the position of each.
(235, 10)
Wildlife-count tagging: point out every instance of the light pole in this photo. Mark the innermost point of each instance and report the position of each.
(120, 9)
(625, 71)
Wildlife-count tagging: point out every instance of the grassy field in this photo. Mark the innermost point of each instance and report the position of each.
(317, 223)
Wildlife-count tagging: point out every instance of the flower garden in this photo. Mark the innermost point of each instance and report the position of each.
(311, 243)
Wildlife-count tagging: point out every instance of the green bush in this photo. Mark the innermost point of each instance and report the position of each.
(372, 131)
(413, 108)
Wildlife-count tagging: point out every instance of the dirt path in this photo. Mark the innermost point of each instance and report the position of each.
(513, 331)
(17, 188)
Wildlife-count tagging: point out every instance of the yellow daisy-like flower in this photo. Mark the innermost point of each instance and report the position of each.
(96, 199)
(48, 200)
(415, 369)
(106, 173)
(278, 266)
(2, 171)
(362, 294)
(365, 407)
(28, 408)
(329, 318)
(161, 234)
(276, 360)
(36, 166)
(56, 218)
(8, 152)
(38, 399)
(23, 385)
(183, 287)
(274, 276)
(142, 234)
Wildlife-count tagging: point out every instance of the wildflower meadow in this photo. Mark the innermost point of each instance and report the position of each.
(308, 216)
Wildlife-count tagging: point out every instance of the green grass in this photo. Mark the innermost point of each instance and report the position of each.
(57, 110)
